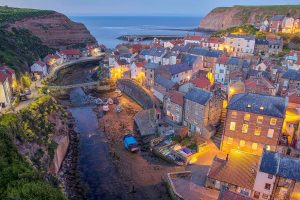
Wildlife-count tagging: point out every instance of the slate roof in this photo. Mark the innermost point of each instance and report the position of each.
(250, 102)
(261, 42)
(291, 75)
(166, 83)
(151, 66)
(280, 165)
(233, 61)
(144, 52)
(198, 95)
(189, 59)
(126, 55)
(278, 17)
(198, 51)
(240, 169)
(177, 68)
(229, 195)
(181, 48)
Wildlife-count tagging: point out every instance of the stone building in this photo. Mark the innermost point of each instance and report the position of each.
(173, 106)
(202, 111)
(253, 122)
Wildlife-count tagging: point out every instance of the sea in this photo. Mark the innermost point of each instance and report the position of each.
(106, 29)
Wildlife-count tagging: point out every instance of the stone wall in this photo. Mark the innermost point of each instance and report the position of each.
(136, 92)
(59, 155)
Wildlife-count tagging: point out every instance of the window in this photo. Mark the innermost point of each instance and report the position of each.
(270, 133)
(270, 176)
(233, 114)
(257, 130)
(268, 148)
(229, 140)
(254, 146)
(247, 117)
(260, 119)
(256, 195)
(273, 121)
(265, 196)
(267, 186)
(232, 126)
(245, 128)
(242, 143)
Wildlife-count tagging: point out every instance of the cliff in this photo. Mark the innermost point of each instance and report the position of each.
(226, 17)
(54, 29)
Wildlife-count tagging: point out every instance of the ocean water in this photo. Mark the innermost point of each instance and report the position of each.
(107, 29)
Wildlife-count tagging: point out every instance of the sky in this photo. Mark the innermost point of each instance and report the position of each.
(136, 7)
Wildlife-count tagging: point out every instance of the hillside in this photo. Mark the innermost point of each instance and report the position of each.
(19, 49)
(227, 17)
(54, 29)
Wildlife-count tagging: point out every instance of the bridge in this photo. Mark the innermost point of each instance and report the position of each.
(64, 87)
(54, 70)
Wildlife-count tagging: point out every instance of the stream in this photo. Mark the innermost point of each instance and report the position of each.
(96, 167)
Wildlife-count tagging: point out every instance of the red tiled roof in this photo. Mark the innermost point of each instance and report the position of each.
(294, 98)
(140, 64)
(3, 77)
(240, 169)
(258, 85)
(70, 52)
(193, 37)
(216, 40)
(41, 63)
(201, 82)
(176, 97)
(223, 59)
(228, 195)
(293, 52)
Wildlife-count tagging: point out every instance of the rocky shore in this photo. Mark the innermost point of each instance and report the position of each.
(69, 175)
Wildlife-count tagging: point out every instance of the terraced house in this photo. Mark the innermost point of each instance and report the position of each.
(253, 122)
(202, 112)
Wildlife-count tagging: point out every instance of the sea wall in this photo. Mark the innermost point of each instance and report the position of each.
(59, 154)
(136, 92)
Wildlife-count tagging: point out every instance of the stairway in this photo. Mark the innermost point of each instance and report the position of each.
(217, 138)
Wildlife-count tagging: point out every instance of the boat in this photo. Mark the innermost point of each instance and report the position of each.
(130, 143)
(110, 101)
(118, 92)
(118, 109)
(98, 101)
(105, 108)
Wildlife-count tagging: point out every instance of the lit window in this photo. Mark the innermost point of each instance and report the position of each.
(260, 119)
(270, 133)
(273, 121)
(262, 108)
(247, 117)
(233, 114)
(232, 126)
(249, 106)
(229, 140)
(245, 128)
(268, 148)
(257, 130)
(242, 143)
(254, 146)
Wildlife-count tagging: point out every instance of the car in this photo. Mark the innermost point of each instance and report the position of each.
(130, 143)
(23, 97)
(27, 91)
(105, 101)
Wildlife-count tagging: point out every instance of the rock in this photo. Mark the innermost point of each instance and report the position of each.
(226, 17)
(55, 30)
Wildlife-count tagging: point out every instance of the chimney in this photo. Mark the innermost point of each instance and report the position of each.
(227, 157)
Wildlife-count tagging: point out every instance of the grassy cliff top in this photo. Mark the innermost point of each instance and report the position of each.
(9, 14)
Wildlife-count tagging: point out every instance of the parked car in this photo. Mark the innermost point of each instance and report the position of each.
(130, 143)
(23, 97)
(27, 91)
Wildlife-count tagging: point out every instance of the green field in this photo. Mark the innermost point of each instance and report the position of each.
(8, 14)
